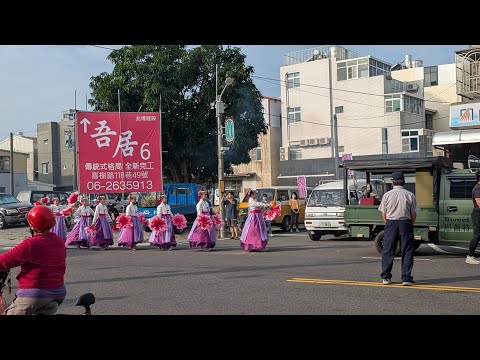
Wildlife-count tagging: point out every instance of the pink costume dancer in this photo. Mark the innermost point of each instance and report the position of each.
(164, 239)
(60, 228)
(198, 237)
(131, 236)
(78, 236)
(254, 233)
(101, 220)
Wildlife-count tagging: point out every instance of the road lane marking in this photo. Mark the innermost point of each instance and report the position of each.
(397, 258)
(436, 248)
(398, 286)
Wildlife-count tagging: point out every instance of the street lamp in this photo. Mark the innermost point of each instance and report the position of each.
(219, 106)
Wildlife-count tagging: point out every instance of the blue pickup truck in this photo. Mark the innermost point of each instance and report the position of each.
(182, 198)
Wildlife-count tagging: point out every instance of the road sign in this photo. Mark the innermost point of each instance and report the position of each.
(229, 130)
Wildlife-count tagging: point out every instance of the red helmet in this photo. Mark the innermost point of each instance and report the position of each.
(41, 218)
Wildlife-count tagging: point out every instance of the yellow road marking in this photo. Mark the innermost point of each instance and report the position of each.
(417, 286)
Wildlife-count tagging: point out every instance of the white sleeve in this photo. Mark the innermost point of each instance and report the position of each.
(95, 216)
(257, 204)
(159, 209)
(90, 211)
(77, 213)
(199, 208)
(128, 210)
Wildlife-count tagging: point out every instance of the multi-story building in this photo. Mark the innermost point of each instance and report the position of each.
(375, 114)
(26, 145)
(439, 87)
(19, 171)
(263, 169)
(56, 158)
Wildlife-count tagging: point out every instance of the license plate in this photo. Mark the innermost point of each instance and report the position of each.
(325, 224)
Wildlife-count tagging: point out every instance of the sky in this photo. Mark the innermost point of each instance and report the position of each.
(38, 82)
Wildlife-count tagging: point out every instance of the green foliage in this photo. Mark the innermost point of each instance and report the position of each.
(185, 78)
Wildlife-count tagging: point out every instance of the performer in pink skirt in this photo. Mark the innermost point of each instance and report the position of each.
(101, 221)
(254, 233)
(164, 239)
(198, 237)
(60, 227)
(78, 236)
(131, 236)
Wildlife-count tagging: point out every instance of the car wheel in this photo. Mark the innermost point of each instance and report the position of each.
(286, 223)
(3, 223)
(379, 244)
(416, 245)
(314, 237)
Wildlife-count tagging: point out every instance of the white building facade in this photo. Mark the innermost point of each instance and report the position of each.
(375, 114)
(26, 145)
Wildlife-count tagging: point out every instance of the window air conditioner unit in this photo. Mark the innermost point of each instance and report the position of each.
(322, 141)
(303, 142)
(412, 87)
(312, 142)
(283, 153)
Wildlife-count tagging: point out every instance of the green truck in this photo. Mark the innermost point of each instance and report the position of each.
(444, 195)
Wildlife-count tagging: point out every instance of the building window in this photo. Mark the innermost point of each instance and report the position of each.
(295, 154)
(45, 168)
(410, 141)
(45, 142)
(2, 189)
(360, 68)
(392, 103)
(4, 164)
(412, 105)
(293, 115)
(384, 141)
(341, 148)
(430, 76)
(256, 154)
(293, 80)
(339, 110)
(378, 68)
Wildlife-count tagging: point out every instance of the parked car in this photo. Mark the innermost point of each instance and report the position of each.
(32, 196)
(12, 211)
(112, 202)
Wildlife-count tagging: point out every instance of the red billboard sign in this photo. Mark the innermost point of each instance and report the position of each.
(119, 152)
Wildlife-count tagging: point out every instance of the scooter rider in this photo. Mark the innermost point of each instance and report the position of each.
(42, 261)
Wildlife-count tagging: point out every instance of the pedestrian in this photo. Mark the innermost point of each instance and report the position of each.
(475, 222)
(133, 235)
(101, 221)
(60, 227)
(42, 261)
(231, 213)
(399, 212)
(164, 239)
(254, 234)
(268, 223)
(78, 236)
(198, 237)
(294, 210)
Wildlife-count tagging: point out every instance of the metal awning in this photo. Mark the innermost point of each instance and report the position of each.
(240, 175)
(456, 137)
(408, 165)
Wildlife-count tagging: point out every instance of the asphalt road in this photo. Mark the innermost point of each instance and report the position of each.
(297, 276)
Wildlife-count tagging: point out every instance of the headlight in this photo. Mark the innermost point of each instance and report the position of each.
(340, 214)
(11, 211)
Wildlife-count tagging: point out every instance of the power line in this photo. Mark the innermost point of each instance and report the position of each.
(103, 47)
(264, 78)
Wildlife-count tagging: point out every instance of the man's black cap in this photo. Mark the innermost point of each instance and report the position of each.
(398, 175)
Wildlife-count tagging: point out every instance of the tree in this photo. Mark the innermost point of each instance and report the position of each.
(185, 78)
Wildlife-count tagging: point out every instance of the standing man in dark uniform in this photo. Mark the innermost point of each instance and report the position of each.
(476, 223)
(399, 211)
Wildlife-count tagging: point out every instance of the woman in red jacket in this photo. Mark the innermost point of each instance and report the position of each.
(42, 261)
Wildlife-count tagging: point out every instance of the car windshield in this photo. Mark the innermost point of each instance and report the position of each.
(331, 197)
(7, 199)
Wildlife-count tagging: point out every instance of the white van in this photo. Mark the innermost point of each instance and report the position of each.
(325, 206)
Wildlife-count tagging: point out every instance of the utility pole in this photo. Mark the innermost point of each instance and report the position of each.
(219, 106)
(335, 144)
(12, 182)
